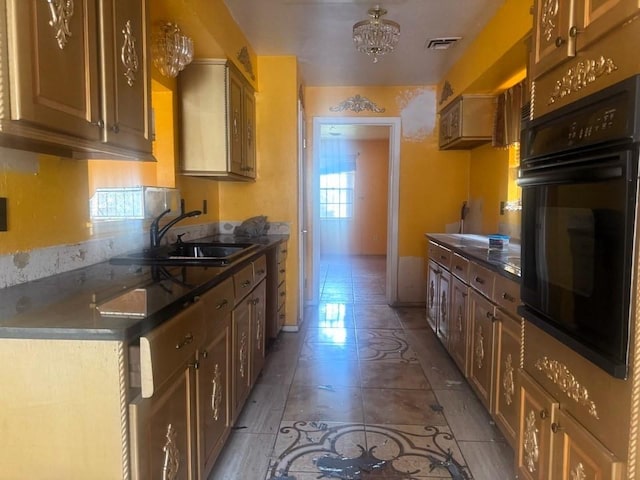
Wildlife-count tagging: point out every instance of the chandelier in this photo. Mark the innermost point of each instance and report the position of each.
(376, 36)
(171, 50)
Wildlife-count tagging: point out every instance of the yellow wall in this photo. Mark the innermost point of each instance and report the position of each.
(275, 192)
(433, 183)
(489, 178)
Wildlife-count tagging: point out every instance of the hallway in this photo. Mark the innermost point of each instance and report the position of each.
(362, 391)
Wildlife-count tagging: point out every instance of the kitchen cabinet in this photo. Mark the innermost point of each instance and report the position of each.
(564, 28)
(438, 279)
(163, 425)
(213, 377)
(552, 445)
(277, 289)
(218, 131)
(248, 326)
(481, 331)
(466, 122)
(458, 345)
(76, 79)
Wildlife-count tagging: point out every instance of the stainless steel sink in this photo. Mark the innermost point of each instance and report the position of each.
(188, 253)
(209, 250)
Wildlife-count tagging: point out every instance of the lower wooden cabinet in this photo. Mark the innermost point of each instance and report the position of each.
(552, 445)
(481, 333)
(507, 357)
(458, 326)
(162, 431)
(241, 334)
(438, 282)
(258, 327)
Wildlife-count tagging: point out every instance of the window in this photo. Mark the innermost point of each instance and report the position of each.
(336, 195)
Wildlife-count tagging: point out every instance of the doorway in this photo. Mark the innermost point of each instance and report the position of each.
(333, 227)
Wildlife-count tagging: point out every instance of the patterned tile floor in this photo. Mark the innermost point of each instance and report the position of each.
(363, 391)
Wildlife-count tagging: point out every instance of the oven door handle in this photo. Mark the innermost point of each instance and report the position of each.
(572, 175)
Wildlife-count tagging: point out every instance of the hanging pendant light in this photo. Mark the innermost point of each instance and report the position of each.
(376, 36)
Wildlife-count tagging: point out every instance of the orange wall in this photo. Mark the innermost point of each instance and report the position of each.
(433, 183)
(366, 232)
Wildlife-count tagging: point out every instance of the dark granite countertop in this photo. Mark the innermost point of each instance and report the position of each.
(67, 306)
(476, 247)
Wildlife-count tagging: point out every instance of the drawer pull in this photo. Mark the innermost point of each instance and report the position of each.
(443, 257)
(479, 280)
(222, 304)
(282, 270)
(195, 365)
(188, 338)
(555, 427)
(282, 294)
(260, 272)
(490, 316)
(459, 268)
(205, 354)
(508, 298)
(245, 284)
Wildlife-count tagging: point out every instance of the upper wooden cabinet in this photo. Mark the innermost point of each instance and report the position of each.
(466, 122)
(76, 78)
(564, 28)
(217, 122)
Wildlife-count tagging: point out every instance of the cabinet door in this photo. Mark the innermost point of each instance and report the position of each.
(445, 128)
(249, 122)
(443, 309)
(578, 455)
(508, 335)
(125, 71)
(236, 163)
(458, 324)
(552, 41)
(433, 294)
(481, 321)
(54, 66)
(241, 334)
(597, 17)
(213, 384)
(162, 433)
(258, 325)
(537, 411)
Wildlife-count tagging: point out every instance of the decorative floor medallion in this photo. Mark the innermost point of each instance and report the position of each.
(315, 450)
(386, 345)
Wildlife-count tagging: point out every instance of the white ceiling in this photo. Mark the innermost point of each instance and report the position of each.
(318, 33)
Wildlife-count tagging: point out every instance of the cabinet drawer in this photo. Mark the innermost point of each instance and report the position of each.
(259, 269)
(219, 300)
(481, 279)
(243, 282)
(170, 347)
(439, 254)
(507, 294)
(460, 267)
(282, 294)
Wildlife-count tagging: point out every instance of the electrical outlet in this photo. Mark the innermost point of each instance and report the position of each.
(3, 214)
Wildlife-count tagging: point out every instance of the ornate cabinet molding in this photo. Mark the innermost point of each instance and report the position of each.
(128, 54)
(61, 12)
(171, 455)
(508, 384)
(531, 444)
(583, 74)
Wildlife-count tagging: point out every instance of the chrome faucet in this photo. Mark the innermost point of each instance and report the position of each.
(156, 233)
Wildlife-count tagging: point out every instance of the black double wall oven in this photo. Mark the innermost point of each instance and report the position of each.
(579, 179)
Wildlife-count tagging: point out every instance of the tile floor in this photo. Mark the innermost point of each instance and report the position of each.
(363, 391)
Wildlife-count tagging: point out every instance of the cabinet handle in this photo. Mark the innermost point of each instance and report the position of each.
(507, 297)
(205, 354)
(573, 31)
(260, 272)
(246, 283)
(490, 316)
(222, 304)
(458, 267)
(195, 365)
(560, 41)
(99, 124)
(555, 427)
(188, 338)
(544, 414)
(479, 280)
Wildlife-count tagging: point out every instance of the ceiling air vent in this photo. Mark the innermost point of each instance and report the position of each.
(441, 43)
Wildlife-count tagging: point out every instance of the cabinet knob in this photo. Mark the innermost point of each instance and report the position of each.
(188, 338)
(560, 41)
(507, 297)
(205, 354)
(246, 283)
(479, 281)
(115, 128)
(99, 124)
(490, 316)
(544, 414)
(222, 304)
(195, 365)
(573, 31)
(555, 427)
